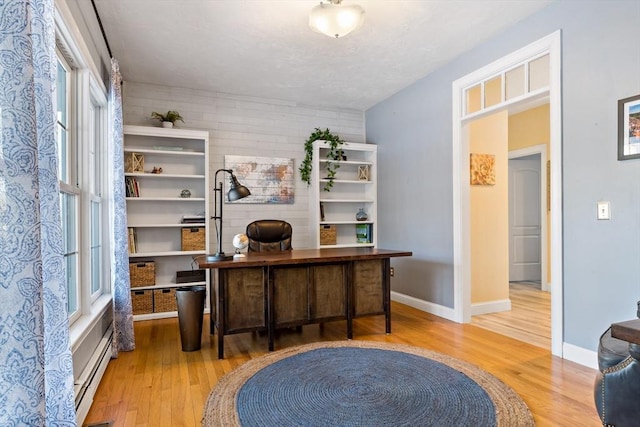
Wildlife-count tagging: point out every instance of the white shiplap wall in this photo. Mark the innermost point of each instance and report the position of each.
(246, 126)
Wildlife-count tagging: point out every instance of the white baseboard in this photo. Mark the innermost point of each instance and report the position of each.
(426, 306)
(582, 356)
(88, 382)
(490, 307)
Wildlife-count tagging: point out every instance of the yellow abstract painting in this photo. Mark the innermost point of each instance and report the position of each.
(483, 169)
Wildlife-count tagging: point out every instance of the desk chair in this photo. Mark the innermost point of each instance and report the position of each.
(269, 235)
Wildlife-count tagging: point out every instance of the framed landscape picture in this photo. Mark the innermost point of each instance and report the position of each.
(629, 128)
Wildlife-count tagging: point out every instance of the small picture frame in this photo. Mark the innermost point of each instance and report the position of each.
(363, 172)
(629, 128)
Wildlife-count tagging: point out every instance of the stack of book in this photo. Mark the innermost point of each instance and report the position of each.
(193, 219)
(133, 237)
(131, 187)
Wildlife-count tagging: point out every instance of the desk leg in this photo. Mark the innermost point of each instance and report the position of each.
(220, 346)
(212, 301)
(267, 275)
(348, 273)
(220, 312)
(386, 289)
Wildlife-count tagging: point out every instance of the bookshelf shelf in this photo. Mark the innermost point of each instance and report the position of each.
(333, 212)
(155, 206)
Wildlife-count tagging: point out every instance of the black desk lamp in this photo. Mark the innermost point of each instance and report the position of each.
(237, 191)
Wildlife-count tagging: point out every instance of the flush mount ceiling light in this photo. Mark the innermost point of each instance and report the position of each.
(334, 19)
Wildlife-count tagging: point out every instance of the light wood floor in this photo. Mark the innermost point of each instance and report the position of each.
(159, 385)
(529, 319)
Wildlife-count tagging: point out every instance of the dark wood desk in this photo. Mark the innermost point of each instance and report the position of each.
(266, 291)
(627, 331)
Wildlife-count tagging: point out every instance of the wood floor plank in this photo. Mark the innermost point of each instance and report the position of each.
(159, 385)
(528, 320)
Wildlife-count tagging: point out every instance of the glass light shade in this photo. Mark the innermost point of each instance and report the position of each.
(335, 20)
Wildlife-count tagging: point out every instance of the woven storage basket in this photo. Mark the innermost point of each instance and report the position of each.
(164, 300)
(193, 239)
(142, 273)
(328, 235)
(142, 301)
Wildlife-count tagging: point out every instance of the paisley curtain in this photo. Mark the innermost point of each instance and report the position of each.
(36, 372)
(122, 313)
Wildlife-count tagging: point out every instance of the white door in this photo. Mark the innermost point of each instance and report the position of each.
(524, 219)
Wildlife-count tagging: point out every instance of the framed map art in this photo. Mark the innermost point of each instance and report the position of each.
(270, 179)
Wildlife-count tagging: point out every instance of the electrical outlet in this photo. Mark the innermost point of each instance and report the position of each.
(392, 271)
(604, 211)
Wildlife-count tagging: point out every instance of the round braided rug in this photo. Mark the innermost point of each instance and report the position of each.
(362, 383)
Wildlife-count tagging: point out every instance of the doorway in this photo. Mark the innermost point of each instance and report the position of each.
(472, 88)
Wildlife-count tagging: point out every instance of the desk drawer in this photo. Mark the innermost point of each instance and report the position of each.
(368, 287)
(245, 296)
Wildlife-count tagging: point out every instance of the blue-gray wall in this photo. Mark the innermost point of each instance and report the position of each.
(600, 64)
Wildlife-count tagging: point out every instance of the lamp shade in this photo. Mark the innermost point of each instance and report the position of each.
(237, 191)
(334, 19)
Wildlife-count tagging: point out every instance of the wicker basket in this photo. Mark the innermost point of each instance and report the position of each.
(164, 300)
(328, 235)
(142, 301)
(142, 273)
(193, 239)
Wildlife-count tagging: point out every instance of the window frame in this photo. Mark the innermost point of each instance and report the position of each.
(68, 181)
(97, 131)
(88, 114)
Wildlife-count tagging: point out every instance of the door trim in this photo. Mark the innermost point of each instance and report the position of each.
(461, 190)
(542, 151)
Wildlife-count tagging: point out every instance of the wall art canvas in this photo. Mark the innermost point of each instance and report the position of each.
(483, 169)
(270, 179)
(629, 128)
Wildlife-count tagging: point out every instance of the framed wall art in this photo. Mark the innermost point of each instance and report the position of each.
(629, 128)
(483, 169)
(270, 179)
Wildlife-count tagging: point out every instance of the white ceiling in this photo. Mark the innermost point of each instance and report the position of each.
(265, 48)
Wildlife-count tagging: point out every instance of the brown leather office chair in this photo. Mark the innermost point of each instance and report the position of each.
(269, 235)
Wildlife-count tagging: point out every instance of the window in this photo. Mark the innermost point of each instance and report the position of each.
(95, 159)
(526, 79)
(81, 138)
(69, 191)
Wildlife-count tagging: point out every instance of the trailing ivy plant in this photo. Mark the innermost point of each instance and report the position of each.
(335, 153)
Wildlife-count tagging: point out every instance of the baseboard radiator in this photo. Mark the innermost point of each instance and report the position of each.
(88, 381)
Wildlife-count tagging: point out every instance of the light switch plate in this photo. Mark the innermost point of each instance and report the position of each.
(604, 211)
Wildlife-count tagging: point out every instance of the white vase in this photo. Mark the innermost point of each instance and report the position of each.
(167, 125)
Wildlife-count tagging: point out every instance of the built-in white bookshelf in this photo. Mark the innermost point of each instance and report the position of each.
(157, 207)
(354, 188)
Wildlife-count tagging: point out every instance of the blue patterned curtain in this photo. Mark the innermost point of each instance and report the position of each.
(122, 314)
(36, 372)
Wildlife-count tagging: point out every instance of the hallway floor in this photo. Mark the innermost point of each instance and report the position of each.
(529, 319)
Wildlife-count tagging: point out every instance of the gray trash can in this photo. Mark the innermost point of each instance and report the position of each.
(190, 312)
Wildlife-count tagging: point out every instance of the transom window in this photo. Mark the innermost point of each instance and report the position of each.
(523, 80)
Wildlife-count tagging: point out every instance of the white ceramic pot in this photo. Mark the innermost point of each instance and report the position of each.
(167, 125)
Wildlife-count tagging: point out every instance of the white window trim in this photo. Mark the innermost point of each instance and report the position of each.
(88, 88)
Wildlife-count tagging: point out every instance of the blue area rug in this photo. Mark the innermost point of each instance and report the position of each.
(359, 383)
